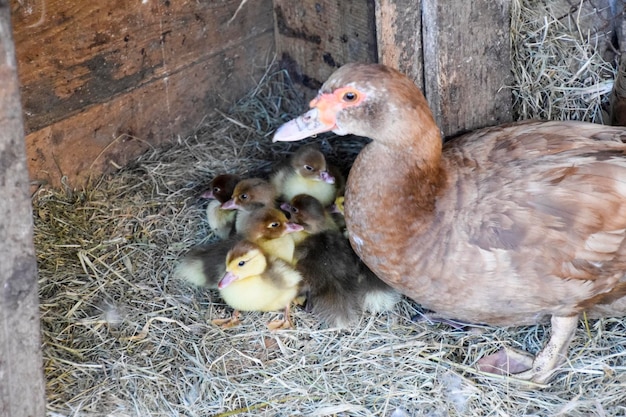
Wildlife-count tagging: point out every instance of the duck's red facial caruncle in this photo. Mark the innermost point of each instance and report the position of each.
(322, 117)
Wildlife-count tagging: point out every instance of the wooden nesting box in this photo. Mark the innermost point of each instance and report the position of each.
(101, 82)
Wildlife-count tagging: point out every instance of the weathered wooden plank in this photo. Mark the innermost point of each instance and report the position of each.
(399, 37)
(21, 376)
(95, 74)
(112, 133)
(83, 53)
(313, 38)
(467, 63)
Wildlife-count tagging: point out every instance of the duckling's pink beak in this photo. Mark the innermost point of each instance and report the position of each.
(226, 280)
(293, 227)
(229, 205)
(326, 177)
(208, 194)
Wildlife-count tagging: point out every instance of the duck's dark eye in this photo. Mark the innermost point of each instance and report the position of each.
(274, 225)
(294, 210)
(308, 167)
(216, 189)
(350, 96)
(241, 263)
(244, 196)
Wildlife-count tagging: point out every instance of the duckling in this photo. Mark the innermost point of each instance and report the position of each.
(338, 285)
(308, 173)
(203, 265)
(269, 228)
(308, 212)
(248, 195)
(255, 281)
(221, 221)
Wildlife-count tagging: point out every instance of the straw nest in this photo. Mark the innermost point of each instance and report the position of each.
(122, 338)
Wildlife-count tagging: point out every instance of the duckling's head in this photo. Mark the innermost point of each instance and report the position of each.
(251, 193)
(306, 211)
(221, 187)
(310, 163)
(244, 260)
(268, 223)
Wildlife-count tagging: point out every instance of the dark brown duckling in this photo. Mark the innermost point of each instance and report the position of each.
(221, 221)
(339, 287)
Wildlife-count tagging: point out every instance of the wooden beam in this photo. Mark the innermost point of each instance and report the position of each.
(467, 65)
(21, 376)
(149, 70)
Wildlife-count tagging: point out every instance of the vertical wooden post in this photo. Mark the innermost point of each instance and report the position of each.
(457, 52)
(467, 63)
(21, 377)
(399, 37)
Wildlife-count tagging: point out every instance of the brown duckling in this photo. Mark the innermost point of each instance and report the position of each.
(272, 231)
(221, 221)
(308, 212)
(308, 173)
(255, 281)
(249, 195)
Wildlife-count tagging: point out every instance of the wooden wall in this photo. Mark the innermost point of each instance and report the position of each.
(314, 38)
(103, 81)
(21, 376)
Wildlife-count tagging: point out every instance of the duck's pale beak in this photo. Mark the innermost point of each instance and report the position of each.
(309, 124)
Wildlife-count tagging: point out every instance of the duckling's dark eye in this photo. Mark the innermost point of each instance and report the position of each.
(216, 189)
(350, 96)
(241, 263)
(274, 225)
(308, 167)
(244, 196)
(294, 210)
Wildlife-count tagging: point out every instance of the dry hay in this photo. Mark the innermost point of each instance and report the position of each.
(122, 338)
(560, 71)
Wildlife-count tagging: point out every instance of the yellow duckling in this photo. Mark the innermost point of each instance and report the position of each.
(256, 282)
(270, 229)
(203, 265)
(221, 221)
(308, 173)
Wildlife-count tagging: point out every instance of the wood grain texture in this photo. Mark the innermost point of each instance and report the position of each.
(467, 63)
(399, 37)
(115, 76)
(21, 376)
(313, 38)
